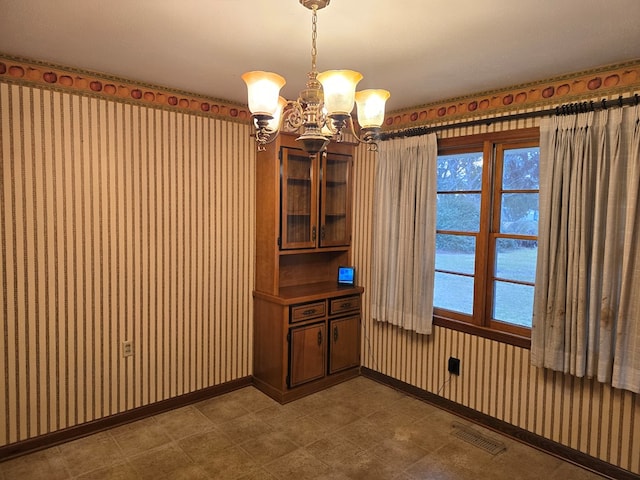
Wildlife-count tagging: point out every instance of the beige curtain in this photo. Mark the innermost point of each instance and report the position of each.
(586, 319)
(404, 233)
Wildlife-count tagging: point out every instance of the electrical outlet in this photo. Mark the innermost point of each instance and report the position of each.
(454, 366)
(127, 348)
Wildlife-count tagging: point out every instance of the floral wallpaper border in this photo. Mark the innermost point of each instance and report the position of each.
(81, 81)
(609, 80)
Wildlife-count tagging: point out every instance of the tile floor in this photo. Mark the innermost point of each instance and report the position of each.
(356, 430)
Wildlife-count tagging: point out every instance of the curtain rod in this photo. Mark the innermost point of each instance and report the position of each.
(567, 109)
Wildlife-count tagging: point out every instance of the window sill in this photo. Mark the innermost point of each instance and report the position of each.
(491, 334)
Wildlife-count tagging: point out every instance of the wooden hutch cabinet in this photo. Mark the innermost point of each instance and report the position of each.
(306, 327)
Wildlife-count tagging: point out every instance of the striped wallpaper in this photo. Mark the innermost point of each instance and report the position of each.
(496, 379)
(118, 222)
(128, 221)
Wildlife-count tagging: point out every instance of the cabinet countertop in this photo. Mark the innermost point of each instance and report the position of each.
(309, 292)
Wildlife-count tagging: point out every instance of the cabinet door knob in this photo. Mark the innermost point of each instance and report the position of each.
(335, 334)
(319, 337)
(313, 234)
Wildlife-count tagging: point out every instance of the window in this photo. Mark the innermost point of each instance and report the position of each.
(486, 234)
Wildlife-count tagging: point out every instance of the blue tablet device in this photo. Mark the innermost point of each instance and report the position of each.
(346, 276)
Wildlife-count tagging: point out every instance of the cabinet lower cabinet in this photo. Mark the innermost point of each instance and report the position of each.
(307, 359)
(306, 346)
(344, 338)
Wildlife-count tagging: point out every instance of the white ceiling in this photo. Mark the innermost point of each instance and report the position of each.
(421, 50)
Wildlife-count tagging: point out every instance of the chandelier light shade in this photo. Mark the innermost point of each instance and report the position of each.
(263, 90)
(339, 90)
(274, 123)
(323, 109)
(371, 107)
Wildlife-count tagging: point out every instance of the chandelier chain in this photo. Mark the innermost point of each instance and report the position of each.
(314, 36)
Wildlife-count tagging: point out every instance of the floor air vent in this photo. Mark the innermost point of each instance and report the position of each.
(476, 438)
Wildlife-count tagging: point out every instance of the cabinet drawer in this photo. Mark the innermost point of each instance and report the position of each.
(307, 311)
(344, 304)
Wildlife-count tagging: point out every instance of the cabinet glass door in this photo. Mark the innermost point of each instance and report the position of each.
(299, 200)
(335, 221)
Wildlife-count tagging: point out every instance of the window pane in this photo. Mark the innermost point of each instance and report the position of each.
(513, 303)
(453, 292)
(519, 214)
(461, 171)
(455, 253)
(515, 259)
(458, 212)
(520, 169)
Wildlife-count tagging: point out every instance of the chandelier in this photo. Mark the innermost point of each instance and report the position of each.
(322, 110)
